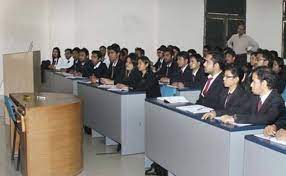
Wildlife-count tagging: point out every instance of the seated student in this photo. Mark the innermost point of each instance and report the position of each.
(198, 74)
(233, 99)
(65, 63)
(192, 52)
(266, 107)
(214, 64)
(139, 52)
(83, 66)
(176, 51)
(170, 68)
(132, 75)
(279, 70)
(56, 55)
(160, 62)
(206, 49)
(123, 54)
(102, 49)
(75, 55)
(98, 68)
(148, 81)
(268, 59)
(115, 72)
(185, 76)
(229, 57)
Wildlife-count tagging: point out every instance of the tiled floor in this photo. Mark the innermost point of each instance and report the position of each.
(95, 162)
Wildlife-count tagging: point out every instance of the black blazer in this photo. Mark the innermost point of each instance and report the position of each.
(150, 85)
(271, 110)
(237, 102)
(83, 67)
(172, 72)
(100, 71)
(118, 72)
(199, 80)
(158, 64)
(281, 81)
(186, 77)
(133, 79)
(211, 99)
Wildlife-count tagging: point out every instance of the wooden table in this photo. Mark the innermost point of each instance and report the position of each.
(52, 142)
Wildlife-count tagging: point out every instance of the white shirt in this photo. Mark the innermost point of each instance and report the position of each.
(195, 73)
(106, 61)
(264, 97)
(184, 68)
(169, 65)
(115, 63)
(97, 65)
(240, 44)
(64, 63)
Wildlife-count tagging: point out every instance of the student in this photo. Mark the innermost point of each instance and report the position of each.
(192, 52)
(132, 75)
(56, 55)
(185, 76)
(123, 54)
(170, 69)
(206, 49)
(214, 64)
(83, 66)
(115, 71)
(75, 55)
(279, 70)
(232, 100)
(266, 107)
(65, 63)
(176, 51)
(159, 64)
(102, 49)
(98, 68)
(267, 59)
(139, 52)
(148, 82)
(229, 57)
(198, 74)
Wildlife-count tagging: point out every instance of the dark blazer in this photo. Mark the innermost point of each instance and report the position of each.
(118, 72)
(199, 80)
(150, 85)
(172, 72)
(281, 81)
(271, 110)
(83, 67)
(133, 79)
(158, 64)
(237, 102)
(185, 77)
(100, 71)
(72, 68)
(211, 99)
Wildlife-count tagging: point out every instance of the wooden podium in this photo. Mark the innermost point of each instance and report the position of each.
(53, 137)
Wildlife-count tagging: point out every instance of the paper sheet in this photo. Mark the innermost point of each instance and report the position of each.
(272, 139)
(196, 109)
(174, 99)
(73, 77)
(105, 86)
(236, 124)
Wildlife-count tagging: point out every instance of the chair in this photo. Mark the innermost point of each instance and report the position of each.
(168, 91)
(14, 115)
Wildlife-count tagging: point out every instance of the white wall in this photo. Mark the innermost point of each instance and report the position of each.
(264, 23)
(181, 23)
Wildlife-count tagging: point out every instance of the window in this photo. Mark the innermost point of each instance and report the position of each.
(221, 20)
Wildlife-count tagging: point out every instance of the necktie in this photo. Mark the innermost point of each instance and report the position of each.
(259, 105)
(207, 86)
(227, 99)
(167, 71)
(112, 71)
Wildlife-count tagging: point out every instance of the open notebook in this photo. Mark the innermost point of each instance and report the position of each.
(196, 109)
(173, 99)
(272, 139)
(236, 124)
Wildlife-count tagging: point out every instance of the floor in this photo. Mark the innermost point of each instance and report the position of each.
(96, 161)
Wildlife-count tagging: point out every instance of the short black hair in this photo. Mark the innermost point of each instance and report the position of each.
(98, 53)
(230, 52)
(268, 57)
(68, 49)
(253, 53)
(184, 55)
(235, 71)
(266, 74)
(85, 51)
(125, 50)
(76, 49)
(192, 51)
(141, 50)
(176, 48)
(274, 53)
(162, 48)
(280, 61)
(169, 50)
(198, 57)
(102, 47)
(217, 58)
(115, 47)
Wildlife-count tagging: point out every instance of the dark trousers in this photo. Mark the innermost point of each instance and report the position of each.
(241, 60)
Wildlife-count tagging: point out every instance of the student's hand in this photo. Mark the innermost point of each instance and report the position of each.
(106, 81)
(76, 73)
(180, 85)
(175, 84)
(227, 119)
(281, 135)
(154, 69)
(209, 115)
(93, 79)
(165, 80)
(270, 130)
(121, 86)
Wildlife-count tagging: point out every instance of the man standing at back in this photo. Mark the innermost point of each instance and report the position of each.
(242, 44)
